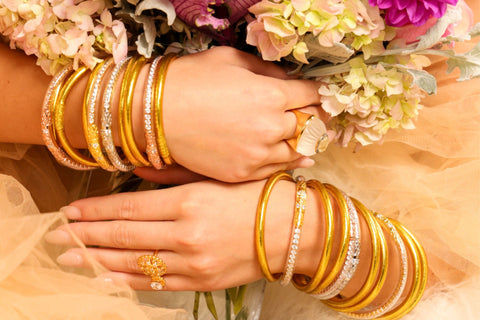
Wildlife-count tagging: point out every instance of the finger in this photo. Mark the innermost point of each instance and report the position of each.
(281, 153)
(139, 235)
(257, 65)
(268, 170)
(136, 281)
(171, 175)
(300, 93)
(151, 205)
(120, 260)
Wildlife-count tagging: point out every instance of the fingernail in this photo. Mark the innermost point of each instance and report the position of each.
(307, 162)
(70, 259)
(58, 237)
(72, 213)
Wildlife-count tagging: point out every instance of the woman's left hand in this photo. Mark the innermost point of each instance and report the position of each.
(204, 232)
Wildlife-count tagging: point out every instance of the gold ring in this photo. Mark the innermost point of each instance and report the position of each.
(310, 135)
(154, 267)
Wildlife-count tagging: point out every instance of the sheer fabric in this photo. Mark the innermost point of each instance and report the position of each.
(428, 178)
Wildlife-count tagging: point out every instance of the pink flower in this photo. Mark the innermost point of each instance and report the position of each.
(410, 33)
(416, 12)
(216, 14)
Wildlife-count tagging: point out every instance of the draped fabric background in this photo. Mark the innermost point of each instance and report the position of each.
(428, 178)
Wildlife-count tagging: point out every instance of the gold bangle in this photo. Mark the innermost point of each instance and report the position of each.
(47, 123)
(420, 274)
(127, 139)
(376, 278)
(300, 281)
(90, 127)
(158, 108)
(59, 115)
(260, 223)
(298, 217)
(344, 244)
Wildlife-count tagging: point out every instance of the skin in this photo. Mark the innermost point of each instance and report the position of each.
(226, 112)
(204, 231)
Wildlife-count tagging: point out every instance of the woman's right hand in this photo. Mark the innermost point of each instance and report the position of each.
(226, 114)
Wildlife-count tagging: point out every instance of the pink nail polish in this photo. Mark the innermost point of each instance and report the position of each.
(72, 213)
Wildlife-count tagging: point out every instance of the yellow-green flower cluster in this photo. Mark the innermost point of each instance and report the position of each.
(61, 31)
(368, 101)
(283, 27)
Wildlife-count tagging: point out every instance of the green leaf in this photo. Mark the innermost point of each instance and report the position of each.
(435, 33)
(228, 305)
(424, 80)
(338, 53)
(196, 305)
(238, 302)
(475, 31)
(211, 304)
(242, 315)
(468, 63)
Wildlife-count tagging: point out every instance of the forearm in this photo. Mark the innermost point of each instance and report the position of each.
(23, 86)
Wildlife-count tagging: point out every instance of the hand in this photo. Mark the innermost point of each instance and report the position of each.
(227, 114)
(204, 232)
(172, 175)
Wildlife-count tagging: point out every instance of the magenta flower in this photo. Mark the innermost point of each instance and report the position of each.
(402, 12)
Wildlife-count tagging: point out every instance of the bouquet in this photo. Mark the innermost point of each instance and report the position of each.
(369, 55)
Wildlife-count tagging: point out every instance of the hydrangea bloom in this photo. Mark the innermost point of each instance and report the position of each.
(416, 12)
(369, 100)
(61, 31)
(284, 26)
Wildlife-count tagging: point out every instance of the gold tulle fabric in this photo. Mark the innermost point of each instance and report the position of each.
(428, 178)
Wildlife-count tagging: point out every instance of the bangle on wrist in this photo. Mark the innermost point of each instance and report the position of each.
(364, 296)
(158, 108)
(260, 223)
(350, 264)
(106, 120)
(298, 217)
(149, 101)
(127, 139)
(89, 119)
(58, 120)
(303, 282)
(47, 123)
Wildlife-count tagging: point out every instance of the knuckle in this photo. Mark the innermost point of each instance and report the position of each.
(131, 262)
(122, 237)
(127, 208)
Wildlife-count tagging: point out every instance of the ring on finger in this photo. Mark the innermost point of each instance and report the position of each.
(310, 135)
(154, 267)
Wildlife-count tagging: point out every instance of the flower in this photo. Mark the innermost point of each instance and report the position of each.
(368, 101)
(300, 27)
(410, 33)
(416, 12)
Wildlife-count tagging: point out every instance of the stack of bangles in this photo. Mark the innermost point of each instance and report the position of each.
(108, 81)
(97, 115)
(327, 286)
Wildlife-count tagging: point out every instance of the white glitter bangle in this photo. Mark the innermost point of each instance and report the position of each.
(106, 121)
(353, 255)
(89, 115)
(47, 125)
(149, 100)
(392, 301)
(299, 213)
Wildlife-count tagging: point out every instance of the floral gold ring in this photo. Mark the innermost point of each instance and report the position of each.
(310, 135)
(154, 267)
